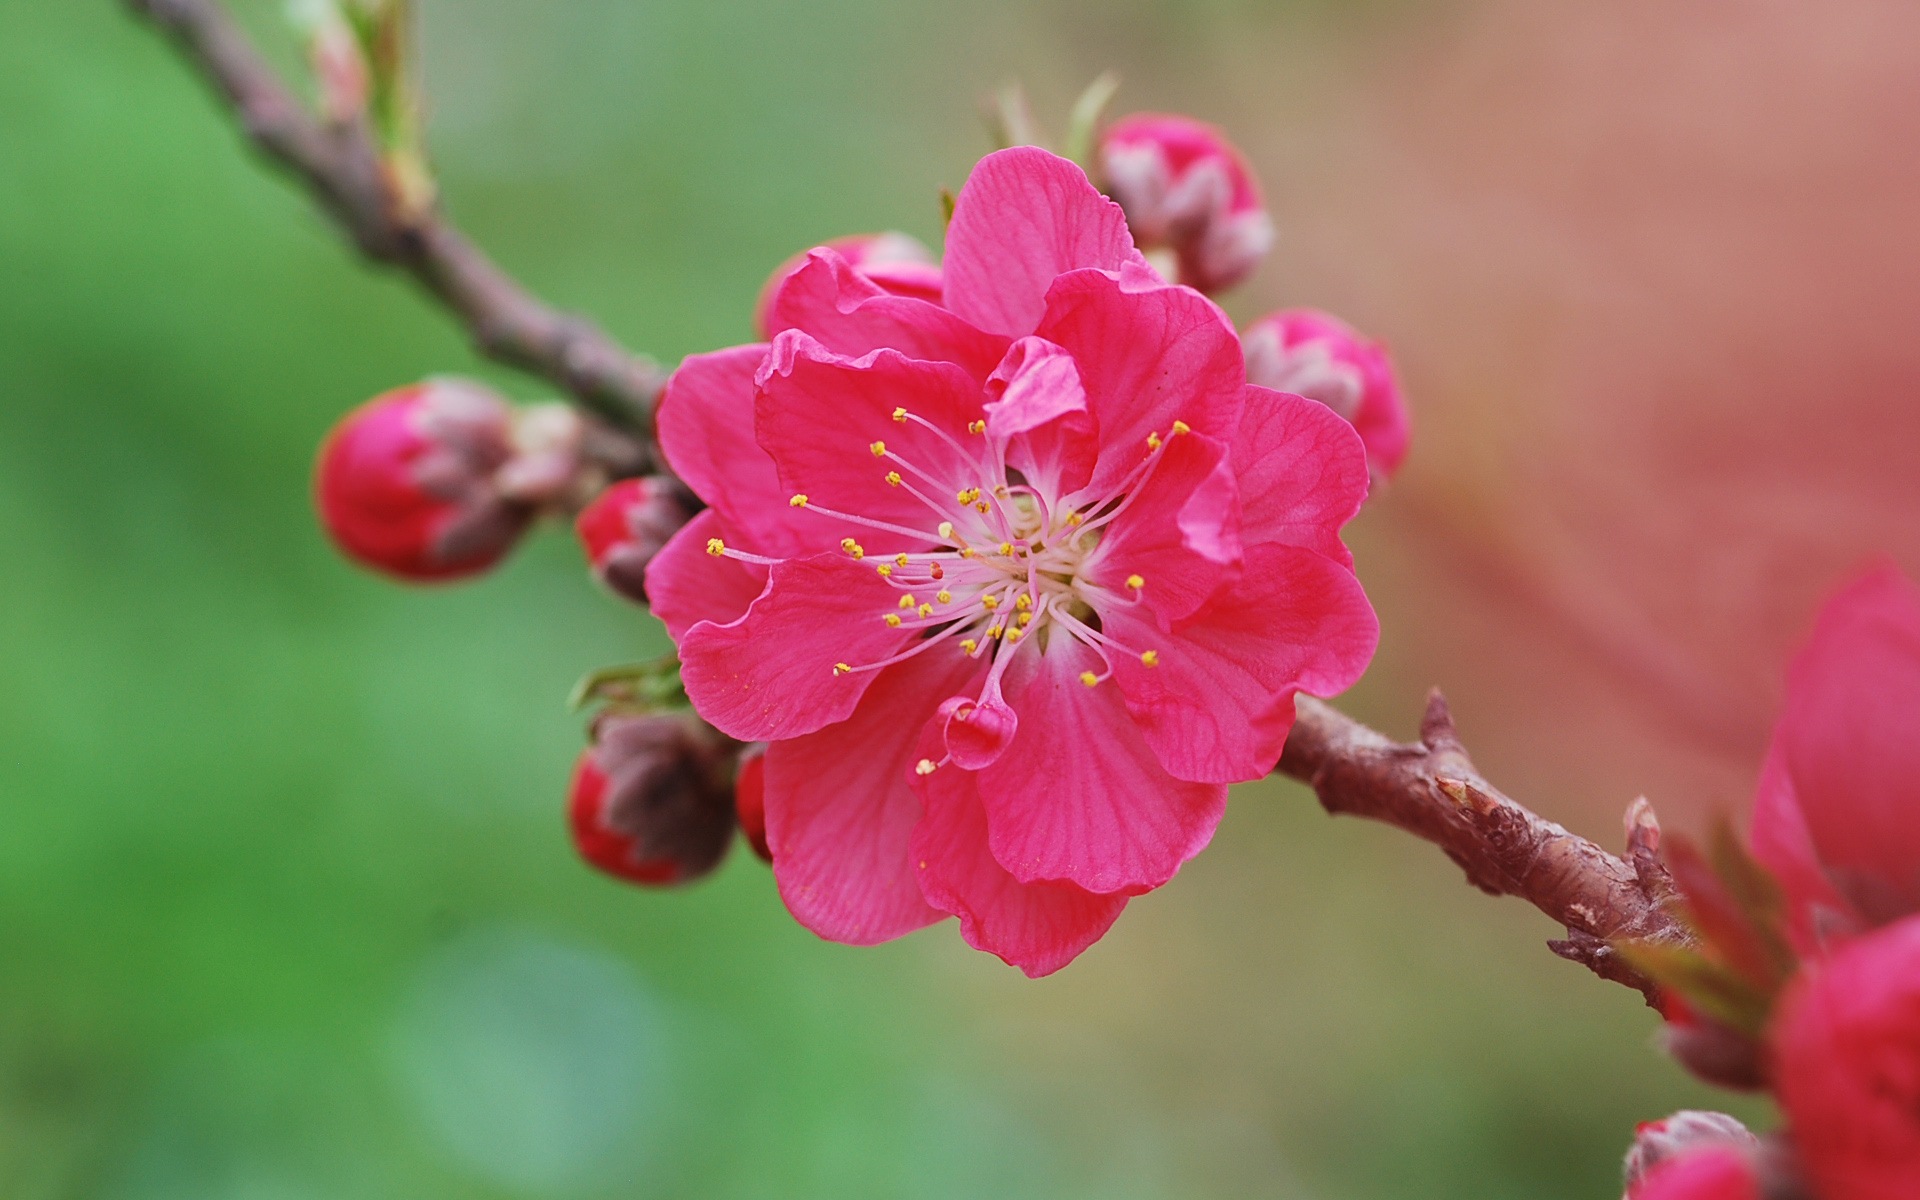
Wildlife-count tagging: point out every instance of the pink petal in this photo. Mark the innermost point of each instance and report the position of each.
(1078, 796)
(770, 673)
(705, 422)
(1039, 410)
(1849, 738)
(1302, 472)
(1219, 704)
(851, 315)
(686, 585)
(1179, 531)
(1038, 927)
(1024, 217)
(1781, 843)
(1149, 355)
(820, 416)
(978, 731)
(841, 812)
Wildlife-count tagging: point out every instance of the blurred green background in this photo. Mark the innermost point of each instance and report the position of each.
(286, 908)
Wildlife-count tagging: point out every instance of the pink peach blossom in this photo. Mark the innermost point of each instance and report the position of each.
(1715, 1173)
(1013, 585)
(1188, 191)
(1321, 357)
(895, 262)
(1837, 816)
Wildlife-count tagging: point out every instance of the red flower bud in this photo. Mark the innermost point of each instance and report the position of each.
(1714, 1052)
(1321, 357)
(1847, 1067)
(1187, 190)
(894, 262)
(651, 801)
(1713, 1173)
(626, 526)
(405, 482)
(1683, 1133)
(750, 799)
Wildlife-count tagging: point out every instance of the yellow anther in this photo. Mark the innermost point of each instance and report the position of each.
(1089, 678)
(945, 529)
(1025, 619)
(976, 427)
(879, 449)
(966, 552)
(969, 645)
(885, 569)
(1150, 658)
(716, 547)
(1074, 518)
(893, 479)
(900, 560)
(925, 766)
(900, 415)
(989, 602)
(1135, 583)
(907, 601)
(893, 620)
(1006, 547)
(1013, 635)
(842, 669)
(1153, 441)
(799, 500)
(943, 596)
(983, 507)
(1024, 603)
(852, 547)
(925, 610)
(1180, 427)
(994, 631)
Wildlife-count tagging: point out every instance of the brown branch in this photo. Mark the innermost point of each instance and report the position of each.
(340, 165)
(1430, 789)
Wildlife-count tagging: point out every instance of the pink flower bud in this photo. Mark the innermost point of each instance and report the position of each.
(1847, 1067)
(1683, 1133)
(651, 801)
(750, 799)
(1314, 354)
(1712, 1173)
(626, 526)
(406, 482)
(1712, 1051)
(894, 262)
(1187, 190)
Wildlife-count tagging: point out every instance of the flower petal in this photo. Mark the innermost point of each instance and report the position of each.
(841, 811)
(1038, 410)
(1078, 796)
(1149, 355)
(1178, 532)
(686, 585)
(851, 315)
(1302, 473)
(1781, 843)
(771, 673)
(1024, 217)
(1218, 704)
(1038, 927)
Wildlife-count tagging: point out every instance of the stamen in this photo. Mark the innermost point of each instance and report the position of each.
(945, 530)
(879, 449)
(918, 535)
(799, 500)
(900, 415)
(893, 477)
(852, 547)
(1150, 658)
(1089, 678)
(1135, 583)
(842, 669)
(989, 602)
(976, 427)
(893, 619)
(1180, 427)
(925, 610)
(907, 601)
(900, 560)
(969, 645)
(1153, 442)
(716, 547)
(1024, 603)
(925, 766)
(943, 596)
(885, 569)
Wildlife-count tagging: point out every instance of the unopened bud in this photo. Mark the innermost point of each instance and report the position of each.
(1321, 357)
(1187, 192)
(1714, 1052)
(626, 526)
(406, 482)
(1686, 1131)
(652, 798)
(1709, 1173)
(894, 262)
(750, 799)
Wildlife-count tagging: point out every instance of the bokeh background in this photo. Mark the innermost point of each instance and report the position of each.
(286, 910)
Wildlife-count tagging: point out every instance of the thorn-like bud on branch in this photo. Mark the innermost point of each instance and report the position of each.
(406, 483)
(626, 526)
(1683, 1133)
(652, 798)
(1319, 356)
(1188, 193)
(750, 799)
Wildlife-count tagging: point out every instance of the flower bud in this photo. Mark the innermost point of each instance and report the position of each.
(895, 263)
(651, 800)
(1657, 1142)
(1714, 1052)
(1321, 357)
(1710, 1173)
(405, 483)
(1846, 1049)
(1188, 192)
(750, 799)
(626, 526)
